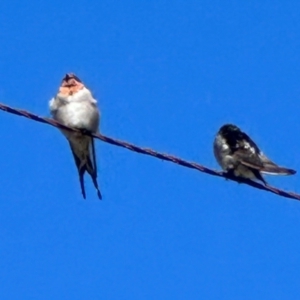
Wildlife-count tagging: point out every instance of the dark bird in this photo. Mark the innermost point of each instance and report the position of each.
(237, 154)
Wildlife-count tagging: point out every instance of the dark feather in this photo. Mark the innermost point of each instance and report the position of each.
(90, 167)
(236, 138)
(245, 152)
(258, 175)
(93, 170)
(81, 180)
(80, 172)
(248, 159)
(274, 169)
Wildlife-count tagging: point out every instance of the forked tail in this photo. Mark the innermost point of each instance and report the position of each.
(83, 164)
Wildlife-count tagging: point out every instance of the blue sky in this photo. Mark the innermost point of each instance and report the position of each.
(166, 75)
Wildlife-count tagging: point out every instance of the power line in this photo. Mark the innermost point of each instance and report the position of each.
(153, 153)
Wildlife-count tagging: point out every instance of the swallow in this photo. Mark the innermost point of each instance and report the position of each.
(74, 106)
(238, 155)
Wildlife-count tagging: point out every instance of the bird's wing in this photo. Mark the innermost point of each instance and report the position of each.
(247, 152)
(246, 158)
(260, 162)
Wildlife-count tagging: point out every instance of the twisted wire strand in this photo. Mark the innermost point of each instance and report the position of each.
(147, 151)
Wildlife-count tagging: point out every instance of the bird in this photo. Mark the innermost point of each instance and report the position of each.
(239, 155)
(74, 106)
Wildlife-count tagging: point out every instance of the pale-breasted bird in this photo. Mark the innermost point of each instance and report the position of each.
(74, 106)
(240, 156)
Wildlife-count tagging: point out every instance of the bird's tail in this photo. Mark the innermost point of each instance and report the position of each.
(85, 160)
(273, 169)
(270, 168)
(91, 168)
